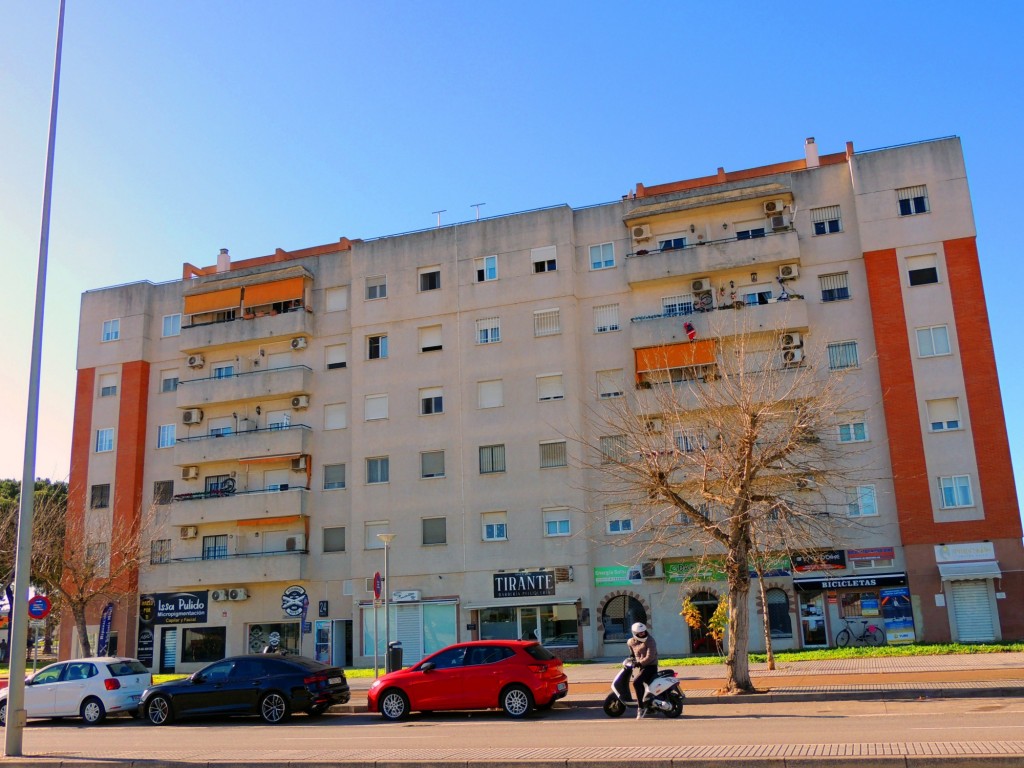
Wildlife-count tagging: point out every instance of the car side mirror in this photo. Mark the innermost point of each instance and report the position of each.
(429, 666)
(197, 677)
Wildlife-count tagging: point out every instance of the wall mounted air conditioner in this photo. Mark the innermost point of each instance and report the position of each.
(192, 416)
(238, 593)
(792, 339)
(300, 401)
(299, 342)
(789, 271)
(196, 361)
(774, 206)
(779, 221)
(295, 543)
(701, 284)
(642, 232)
(219, 595)
(189, 473)
(653, 425)
(652, 569)
(792, 356)
(299, 464)
(188, 532)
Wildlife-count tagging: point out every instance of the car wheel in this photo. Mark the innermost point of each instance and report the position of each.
(92, 711)
(3, 713)
(677, 705)
(274, 708)
(394, 705)
(517, 701)
(613, 707)
(158, 710)
(317, 709)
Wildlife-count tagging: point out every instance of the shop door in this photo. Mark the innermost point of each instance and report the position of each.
(341, 641)
(168, 649)
(812, 620)
(409, 630)
(972, 612)
(529, 624)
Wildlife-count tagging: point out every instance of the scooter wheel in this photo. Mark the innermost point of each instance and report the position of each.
(613, 707)
(677, 705)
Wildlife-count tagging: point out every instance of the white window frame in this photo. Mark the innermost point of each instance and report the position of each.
(612, 448)
(430, 338)
(169, 376)
(431, 401)
(335, 484)
(557, 522)
(165, 435)
(610, 384)
(618, 521)
(678, 305)
(494, 526)
(104, 442)
(486, 268)
(915, 199)
(488, 330)
(843, 348)
(602, 256)
(544, 259)
(423, 272)
(490, 393)
(547, 322)
(379, 467)
(335, 416)
(862, 501)
(424, 474)
(335, 356)
(376, 287)
(939, 424)
(927, 337)
(111, 330)
(553, 454)
(381, 344)
(550, 387)
(606, 318)
(494, 452)
(106, 388)
(336, 299)
(837, 282)
(827, 220)
(846, 431)
(955, 483)
(375, 407)
(175, 322)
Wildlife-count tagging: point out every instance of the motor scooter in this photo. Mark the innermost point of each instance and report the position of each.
(662, 693)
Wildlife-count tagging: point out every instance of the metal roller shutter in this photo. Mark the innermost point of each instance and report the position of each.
(972, 612)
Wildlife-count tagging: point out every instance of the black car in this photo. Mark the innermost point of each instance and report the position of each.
(269, 685)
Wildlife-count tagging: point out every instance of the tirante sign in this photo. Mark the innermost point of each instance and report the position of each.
(524, 584)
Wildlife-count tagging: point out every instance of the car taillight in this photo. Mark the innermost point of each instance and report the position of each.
(111, 683)
(319, 677)
(538, 668)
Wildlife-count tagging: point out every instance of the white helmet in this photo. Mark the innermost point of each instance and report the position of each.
(639, 628)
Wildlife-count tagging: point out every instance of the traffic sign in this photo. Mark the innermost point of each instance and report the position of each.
(39, 607)
(378, 584)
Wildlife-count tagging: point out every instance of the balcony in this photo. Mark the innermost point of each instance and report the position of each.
(251, 568)
(652, 330)
(245, 387)
(284, 441)
(217, 507)
(755, 254)
(243, 328)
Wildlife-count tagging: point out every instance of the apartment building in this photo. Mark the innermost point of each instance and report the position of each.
(272, 417)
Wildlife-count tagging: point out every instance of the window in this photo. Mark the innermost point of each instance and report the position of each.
(375, 407)
(335, 416)
(163, 491)
(912, 200)
(854, 431)
(104, 440)
(922, 270)
(370, 540)
(336, 299)
(334, 476)
(827, 220)
(602, 256)
(378, 469)
(376, 287)
(168, 381)
(544, 259)
(842, 355)
(486, 268)
(752, 297)
(934, 341)
(108, 384)
(674, 306)
(613, 449)
(334, 539)
(834, 287)
(430, 338)
(165, 436)
(553, 454)
(159, 551)
(861, 502)
(488, 330)
(214, 483)
(430, 278)
(377, 347)
(98, 554)
(618, 520)
(955, 491)
(550, 387)
(215, 547)
(779, 622)
(432, 464)
(747, 230)
(111, 330)
(495, 526)
(490, 394)
(609, 384)
(222, 426)
(99, 497)
(690, 441)
(172, 325)
(223, 370)
(435, 531)
(943, 414)
(546, 322)
(492, 459)
(556, 521)
(203, 644)
(431, 401)
(336, 356)
(606, 318)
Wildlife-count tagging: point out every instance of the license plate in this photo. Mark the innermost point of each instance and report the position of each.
(334, 680)
(562, 686)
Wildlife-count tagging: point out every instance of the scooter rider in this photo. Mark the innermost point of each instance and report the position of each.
(645, 652)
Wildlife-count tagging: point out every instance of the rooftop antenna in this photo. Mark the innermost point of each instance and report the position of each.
(477, 206)
(438, 214)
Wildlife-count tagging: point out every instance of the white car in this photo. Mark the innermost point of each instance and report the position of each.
(86, 688)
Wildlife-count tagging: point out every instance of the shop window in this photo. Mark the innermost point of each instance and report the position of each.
(618, 615)
(288, 634)
(203, 644)
(779, 621)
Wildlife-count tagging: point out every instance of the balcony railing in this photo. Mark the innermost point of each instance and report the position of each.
(204, 507)
(242, 387)
(241, 568)
(235, 327)
(284, 440)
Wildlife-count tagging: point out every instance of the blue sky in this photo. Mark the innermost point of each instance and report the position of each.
(195, 125)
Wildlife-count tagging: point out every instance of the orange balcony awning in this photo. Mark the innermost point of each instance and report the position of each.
(675, 356)
(214, 301)
(270, 520)
(269, 293)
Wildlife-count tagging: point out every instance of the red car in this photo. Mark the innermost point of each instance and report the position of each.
(517, 676)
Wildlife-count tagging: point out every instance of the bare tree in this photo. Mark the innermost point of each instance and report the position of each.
(730, 458)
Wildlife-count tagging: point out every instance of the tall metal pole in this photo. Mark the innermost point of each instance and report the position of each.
(387, 538)
(19, 603)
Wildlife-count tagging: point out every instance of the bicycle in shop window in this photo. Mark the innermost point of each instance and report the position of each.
(868, 634)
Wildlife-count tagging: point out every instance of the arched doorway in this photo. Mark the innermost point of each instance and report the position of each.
(701, 640)
(618, 615)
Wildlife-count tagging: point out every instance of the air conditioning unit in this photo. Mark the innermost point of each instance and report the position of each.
(789, 271)
(701, 284)
(299, 342)
(188, 532)
(299, 464)
(774, 206)
(792, 356)
(642, 232)
(806, 483)
(190, 472)
(653, 425)
(219, 595)
(300, 401)
(295, 543)
(652, 569)
(792, 339)
(779, 222)
(238, 593)
(196, 361)
(192, 416)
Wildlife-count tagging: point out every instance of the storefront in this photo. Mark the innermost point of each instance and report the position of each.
(422, 625)
(969, 572)
(826, 605)
(170, 634)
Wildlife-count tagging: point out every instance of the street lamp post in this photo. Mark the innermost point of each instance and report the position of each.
(387, 538)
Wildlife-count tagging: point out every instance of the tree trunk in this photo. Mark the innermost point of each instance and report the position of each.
(78, 611)
(765, 621)
(737, 663)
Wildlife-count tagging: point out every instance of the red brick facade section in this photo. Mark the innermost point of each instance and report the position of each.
(131, 447)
